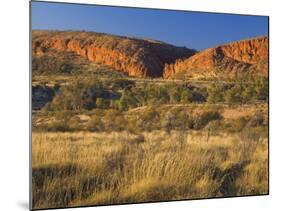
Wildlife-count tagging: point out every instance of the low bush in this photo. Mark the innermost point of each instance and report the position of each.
(95, 124)
(257, 120)
(203, 119)
(58, 126)
(237, 125)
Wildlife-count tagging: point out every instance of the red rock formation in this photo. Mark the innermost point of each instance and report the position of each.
(231, 59)
(137, 57)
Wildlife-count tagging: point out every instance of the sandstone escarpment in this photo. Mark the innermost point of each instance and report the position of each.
(230, 59)
(137, 57)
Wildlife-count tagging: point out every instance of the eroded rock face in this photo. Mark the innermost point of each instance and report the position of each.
(231, 59)
(137, 57)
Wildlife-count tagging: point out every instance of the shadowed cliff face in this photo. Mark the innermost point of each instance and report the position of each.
(231, 59)
(137, 57)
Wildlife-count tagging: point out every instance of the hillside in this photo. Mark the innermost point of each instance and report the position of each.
(136, 57)
(68, 51)
(236, 58)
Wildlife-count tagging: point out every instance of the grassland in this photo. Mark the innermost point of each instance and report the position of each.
(83, 168)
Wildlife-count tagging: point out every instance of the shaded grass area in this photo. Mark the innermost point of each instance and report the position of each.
(83, 168)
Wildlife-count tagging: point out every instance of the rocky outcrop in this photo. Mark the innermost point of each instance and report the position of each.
(137, 57)
(230, 59)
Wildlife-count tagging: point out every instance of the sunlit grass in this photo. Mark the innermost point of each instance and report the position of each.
(83, 168)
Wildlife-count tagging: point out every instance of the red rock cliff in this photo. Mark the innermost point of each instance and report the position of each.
(231, 59)
(137, 57)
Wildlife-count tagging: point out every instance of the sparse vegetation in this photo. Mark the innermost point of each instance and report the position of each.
(71, 169)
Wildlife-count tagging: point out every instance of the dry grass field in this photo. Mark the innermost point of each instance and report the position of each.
(84, 168)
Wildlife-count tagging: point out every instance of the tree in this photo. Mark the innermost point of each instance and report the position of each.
(185, 96)
(114, 104)
(149, 119)
(140, 96)
(215, 93)
(168, 121)
(152, 95)
(122, 84)
(182, 120)
(100, 103)
(248, 93)
(131, 99)
(206, 117)
(174, 94)
(261, 88)
(123, 102)
(76, 92)
(120, 123)
(109, 119)
(234, 94)
(162, 95)
(237, 125)
(95, 124)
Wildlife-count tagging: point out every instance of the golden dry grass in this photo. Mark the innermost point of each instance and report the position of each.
(83, 168)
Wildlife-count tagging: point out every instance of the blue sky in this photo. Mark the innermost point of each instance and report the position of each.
(191, 29)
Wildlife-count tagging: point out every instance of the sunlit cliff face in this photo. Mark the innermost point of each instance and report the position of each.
(231, 58)
(137, 57)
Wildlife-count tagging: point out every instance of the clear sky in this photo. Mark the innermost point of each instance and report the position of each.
(191, 29)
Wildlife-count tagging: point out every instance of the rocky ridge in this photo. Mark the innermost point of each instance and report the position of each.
(229, 59)
(137, 57)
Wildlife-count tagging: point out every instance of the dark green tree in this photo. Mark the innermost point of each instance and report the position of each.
(186, 96)
(123, 102)
(234, 94)
(215, 93)
(174, 94)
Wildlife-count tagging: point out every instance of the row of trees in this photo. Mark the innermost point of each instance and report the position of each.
(77, 96)
(124, 95)
(121, 95)
(241, 92)
(150, 119)
(161, 94)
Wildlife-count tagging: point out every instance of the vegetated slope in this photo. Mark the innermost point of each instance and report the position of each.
(137, 57)
(55, 62)
(233, 59)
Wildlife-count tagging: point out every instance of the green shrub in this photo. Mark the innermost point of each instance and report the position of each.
(215, 93)
(48, 64)
(95, 124)
(186, 96)
(237, 125)
(149, 119)
(262, 88)
(74, 123)
(203, 119)
(81, 95)
(234, 95)
(122, 84)
(102, 103)
(257, 120)
(123, 103)
(58, 126)
(174, 94)
(114, 120)
(176, 119)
